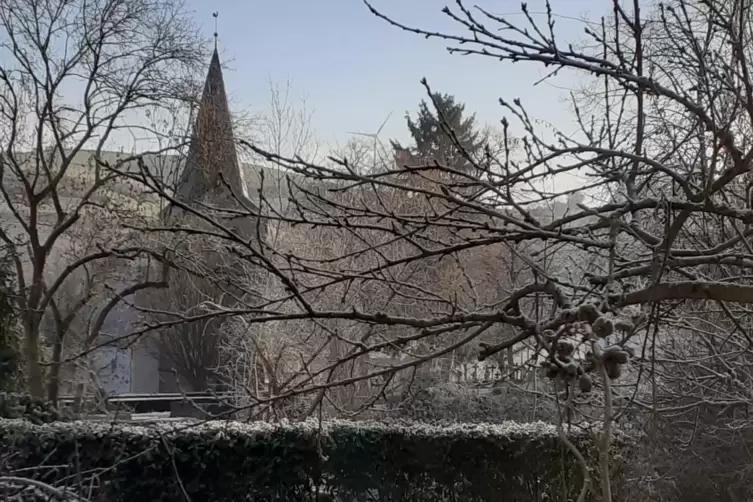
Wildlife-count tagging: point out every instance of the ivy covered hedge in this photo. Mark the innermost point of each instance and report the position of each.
(343, 461)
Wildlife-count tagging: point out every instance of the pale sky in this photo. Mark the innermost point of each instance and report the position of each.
(355, 68)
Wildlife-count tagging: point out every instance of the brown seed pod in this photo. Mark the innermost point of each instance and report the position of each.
(571, 369)
(589, 363)
(588, 312)
(569, 315)
(603, 327)
(585, 383)
(565, 348)
(613, 368)
(586, 332)
(617, 354)
(552, 372)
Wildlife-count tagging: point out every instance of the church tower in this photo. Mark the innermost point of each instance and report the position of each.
(211, 184)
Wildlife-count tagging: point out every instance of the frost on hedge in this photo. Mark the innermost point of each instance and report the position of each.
(502, 431)
(231, 461)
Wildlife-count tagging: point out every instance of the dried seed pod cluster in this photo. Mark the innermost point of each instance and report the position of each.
(565, 371)
(585, 325)
(561, 363)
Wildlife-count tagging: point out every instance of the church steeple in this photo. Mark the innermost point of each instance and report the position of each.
(212, 161)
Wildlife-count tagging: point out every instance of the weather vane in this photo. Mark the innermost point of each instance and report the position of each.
(215, 15)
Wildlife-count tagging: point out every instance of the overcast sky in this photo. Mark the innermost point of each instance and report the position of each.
(354, 68)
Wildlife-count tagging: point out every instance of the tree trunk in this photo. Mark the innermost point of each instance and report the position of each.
(53, 381)
(338, 394)
(31, 352)
(33, 311)
(78, 401)
(511, 370)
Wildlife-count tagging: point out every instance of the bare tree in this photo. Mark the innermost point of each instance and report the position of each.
(78, 75)
(665, 149)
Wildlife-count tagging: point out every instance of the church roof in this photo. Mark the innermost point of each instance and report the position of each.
(212, 161)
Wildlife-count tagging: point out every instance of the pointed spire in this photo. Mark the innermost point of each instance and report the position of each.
(211, 154)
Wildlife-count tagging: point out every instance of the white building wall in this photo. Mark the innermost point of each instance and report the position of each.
(145, 376)
(128, 366)
(112, 366)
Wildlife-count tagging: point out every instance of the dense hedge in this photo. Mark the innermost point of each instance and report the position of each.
(344, 461)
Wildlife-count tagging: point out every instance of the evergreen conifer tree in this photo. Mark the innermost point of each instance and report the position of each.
(433, 130)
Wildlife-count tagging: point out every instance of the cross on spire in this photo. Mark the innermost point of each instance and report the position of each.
(215, 15)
